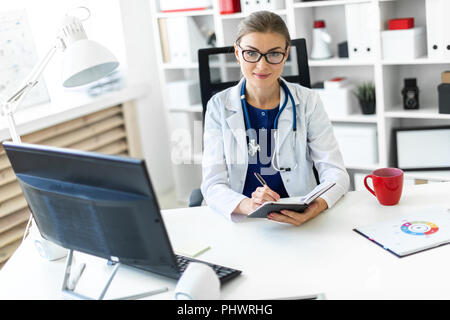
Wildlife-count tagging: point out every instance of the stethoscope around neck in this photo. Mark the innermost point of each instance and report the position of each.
(253, 147)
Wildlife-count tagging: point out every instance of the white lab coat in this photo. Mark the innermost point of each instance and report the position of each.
(225, 154)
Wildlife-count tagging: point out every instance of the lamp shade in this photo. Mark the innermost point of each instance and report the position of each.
(85, 61)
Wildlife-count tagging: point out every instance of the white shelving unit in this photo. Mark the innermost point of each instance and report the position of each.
(387, 75)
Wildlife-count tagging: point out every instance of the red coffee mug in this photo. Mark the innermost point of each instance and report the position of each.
(388, 185)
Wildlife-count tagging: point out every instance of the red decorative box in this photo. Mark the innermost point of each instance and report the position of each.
(403, 23)
(229, 6)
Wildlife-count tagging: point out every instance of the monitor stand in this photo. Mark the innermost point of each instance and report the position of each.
(71, 294)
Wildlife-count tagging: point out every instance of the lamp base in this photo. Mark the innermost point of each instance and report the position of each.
(47, 249)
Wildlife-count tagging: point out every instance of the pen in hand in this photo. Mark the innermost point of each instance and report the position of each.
(260, 179)
(271, 193)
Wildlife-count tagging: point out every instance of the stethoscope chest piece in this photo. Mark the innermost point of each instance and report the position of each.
(253, 148)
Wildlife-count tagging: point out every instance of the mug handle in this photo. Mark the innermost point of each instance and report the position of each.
(367, 186)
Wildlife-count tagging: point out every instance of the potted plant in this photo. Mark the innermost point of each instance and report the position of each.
(366, 97)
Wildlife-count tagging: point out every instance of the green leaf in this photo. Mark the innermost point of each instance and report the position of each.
(365, 91)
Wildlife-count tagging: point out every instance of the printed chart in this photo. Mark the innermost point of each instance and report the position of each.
(419, 228)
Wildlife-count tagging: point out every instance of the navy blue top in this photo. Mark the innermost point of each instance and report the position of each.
(262, 121)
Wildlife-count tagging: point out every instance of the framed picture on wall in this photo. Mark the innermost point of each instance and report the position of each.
(422, 148)
(18, 57)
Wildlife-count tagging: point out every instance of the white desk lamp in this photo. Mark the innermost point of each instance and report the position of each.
(84, 61)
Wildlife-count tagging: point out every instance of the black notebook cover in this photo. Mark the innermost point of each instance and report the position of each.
(298, 206)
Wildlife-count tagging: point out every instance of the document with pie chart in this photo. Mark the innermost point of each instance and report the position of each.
(418, 231)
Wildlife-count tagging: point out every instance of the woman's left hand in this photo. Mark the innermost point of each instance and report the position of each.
(296, 218)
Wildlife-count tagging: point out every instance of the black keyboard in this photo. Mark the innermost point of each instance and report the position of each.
(224, 273)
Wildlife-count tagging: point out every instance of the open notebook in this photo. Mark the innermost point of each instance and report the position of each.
(415, 232)
(298, 204)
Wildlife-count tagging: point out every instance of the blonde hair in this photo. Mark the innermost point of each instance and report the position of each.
(263, 21)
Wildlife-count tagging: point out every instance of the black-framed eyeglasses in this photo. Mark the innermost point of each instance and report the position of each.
(253, 56)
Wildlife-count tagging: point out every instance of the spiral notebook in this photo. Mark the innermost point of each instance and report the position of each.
(421, 230)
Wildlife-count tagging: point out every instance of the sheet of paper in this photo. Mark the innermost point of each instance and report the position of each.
(192, 250)
(317, 190)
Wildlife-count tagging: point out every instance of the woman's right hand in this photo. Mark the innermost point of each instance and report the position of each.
(264, 194)
(259, 196)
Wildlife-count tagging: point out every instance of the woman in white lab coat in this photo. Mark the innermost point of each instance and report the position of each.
(251, 111)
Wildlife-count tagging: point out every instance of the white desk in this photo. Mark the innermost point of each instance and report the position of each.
(277, 260)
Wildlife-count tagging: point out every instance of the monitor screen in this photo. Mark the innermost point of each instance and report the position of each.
(93, 203)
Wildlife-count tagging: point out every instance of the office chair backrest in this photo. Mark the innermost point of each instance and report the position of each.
(208, 88)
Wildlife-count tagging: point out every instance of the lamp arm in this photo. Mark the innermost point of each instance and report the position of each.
(32, 79)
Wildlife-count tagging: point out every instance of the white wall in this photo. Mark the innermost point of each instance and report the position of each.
(142, 67)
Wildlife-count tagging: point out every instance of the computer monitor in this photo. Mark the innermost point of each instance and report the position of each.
(93, 203)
